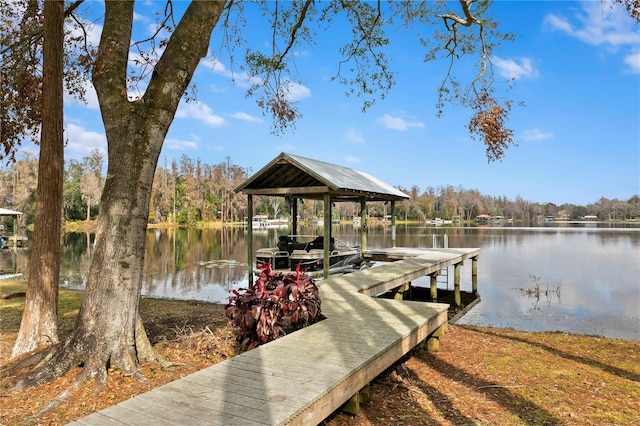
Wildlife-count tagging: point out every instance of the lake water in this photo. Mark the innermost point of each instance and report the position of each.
(588, 275)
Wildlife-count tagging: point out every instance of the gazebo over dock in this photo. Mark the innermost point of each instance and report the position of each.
(13, 239)
(295, 177)
(305, 376)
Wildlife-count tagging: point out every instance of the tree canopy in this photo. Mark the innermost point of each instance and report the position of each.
(21, 70)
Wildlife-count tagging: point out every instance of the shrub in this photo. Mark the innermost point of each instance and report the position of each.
(259, 311)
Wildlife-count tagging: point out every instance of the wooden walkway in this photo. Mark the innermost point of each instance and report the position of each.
(302, 378)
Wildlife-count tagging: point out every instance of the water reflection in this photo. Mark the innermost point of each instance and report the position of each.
(595, 269)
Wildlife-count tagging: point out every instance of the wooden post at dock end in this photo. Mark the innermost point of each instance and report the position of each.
(352, 406)
(434, 286)
(474, 275)
(433, 341)
(402, 290)
(456, 283)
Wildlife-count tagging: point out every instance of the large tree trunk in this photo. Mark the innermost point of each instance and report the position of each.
(39, 319)
(108, 331)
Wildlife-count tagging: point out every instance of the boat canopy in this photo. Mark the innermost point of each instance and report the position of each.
(7, 212)
(295, 177)
(301, 177)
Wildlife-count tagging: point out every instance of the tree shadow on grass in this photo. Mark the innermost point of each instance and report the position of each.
(557, 352)
(443, 403)
(529, 412)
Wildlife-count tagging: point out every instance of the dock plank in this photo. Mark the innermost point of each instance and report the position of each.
(303, 377)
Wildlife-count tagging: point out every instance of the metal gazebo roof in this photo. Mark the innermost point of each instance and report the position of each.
(7, 212)
(301, 177)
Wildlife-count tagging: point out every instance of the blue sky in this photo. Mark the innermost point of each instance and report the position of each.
(577, 69)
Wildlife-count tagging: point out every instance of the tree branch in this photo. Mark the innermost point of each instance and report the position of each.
(296, 27)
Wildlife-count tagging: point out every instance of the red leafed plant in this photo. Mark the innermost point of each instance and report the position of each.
(259, 310)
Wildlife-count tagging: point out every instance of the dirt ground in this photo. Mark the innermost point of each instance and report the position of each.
(480, 376)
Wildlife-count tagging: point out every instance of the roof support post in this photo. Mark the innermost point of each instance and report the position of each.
(250, 238)
(15, 234)
(364, 227)
(294, 218)
(393, 223)
(327, 233)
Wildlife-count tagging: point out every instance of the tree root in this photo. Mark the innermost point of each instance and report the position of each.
(54, 365)
(39, 357)
(167, 364)
(59, 399)
(13, 295)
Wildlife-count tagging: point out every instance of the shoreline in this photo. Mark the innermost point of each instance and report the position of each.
(481, 375)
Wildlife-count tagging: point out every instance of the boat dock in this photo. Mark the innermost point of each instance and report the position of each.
(302, 378)
(437, 259)
(13, 241)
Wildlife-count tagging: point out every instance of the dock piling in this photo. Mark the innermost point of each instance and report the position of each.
(433, 341)
(474, 275)
(456, 283)
(434, 285)
(352, 406)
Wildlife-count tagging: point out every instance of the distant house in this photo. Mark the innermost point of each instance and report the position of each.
(483, 219)
(590, 217)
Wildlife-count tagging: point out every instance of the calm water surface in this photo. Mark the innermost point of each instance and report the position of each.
(588, 277)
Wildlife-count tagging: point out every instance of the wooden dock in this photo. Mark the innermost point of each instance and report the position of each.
(15, 241)
(414, 261)
(302, 378)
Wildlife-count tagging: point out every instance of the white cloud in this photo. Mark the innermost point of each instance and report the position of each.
(292, 91)
(214, 65)
(510, 68)
(558, 23)
(632, 61)
(600, 24)
(92, 30)
(245, 117)
(180, 144)
(295, 92)
(536, 135)
(397, 123)
(354, 135)
(199, 111)
(301, 54)
(140, 17)
(240, 78)
(90, 95)
(352, 159)
(80, 142)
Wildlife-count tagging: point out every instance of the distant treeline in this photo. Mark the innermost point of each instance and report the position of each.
(189, 191)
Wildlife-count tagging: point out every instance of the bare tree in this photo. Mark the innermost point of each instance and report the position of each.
(90, 189)
(275, 204)
(24, 182)
(469, 203)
